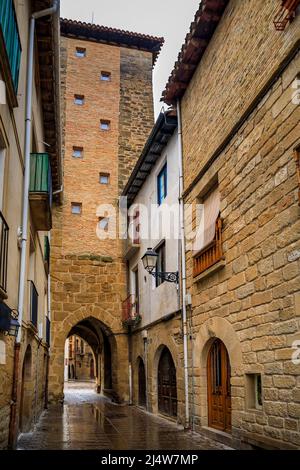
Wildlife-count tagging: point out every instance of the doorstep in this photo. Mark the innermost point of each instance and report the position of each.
(217, 435)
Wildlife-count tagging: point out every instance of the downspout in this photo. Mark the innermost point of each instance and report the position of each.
(22, 274)
(183, 270)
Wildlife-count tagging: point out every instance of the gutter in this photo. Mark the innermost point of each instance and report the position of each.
(25, 213)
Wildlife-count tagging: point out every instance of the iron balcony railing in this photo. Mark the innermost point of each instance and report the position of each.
(4, 231)
(40, 174)
(11, 38)
(130, 309)
(48, 326)
(211, 254)
(34, 297)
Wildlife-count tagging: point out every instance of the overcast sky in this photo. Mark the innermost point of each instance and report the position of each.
(168, 18)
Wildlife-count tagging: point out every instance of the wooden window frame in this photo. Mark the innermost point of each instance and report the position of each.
(211, 254)
(297, 161)
(162, 174)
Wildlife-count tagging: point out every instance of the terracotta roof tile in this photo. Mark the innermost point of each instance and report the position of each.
(73, 28)
(201, 31)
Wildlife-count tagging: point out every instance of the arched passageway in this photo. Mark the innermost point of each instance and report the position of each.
(218, 383)
(88, 355)
(26, 392)
(167, 384)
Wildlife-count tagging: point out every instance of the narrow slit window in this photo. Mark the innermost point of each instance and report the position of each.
(79, 100)
(80, 52)
(103, 223)
(104, 125)
(76, 208)
(104, 178)
(105, 76)
(77, 152)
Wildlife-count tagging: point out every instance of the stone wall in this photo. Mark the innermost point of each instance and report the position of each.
(243, 54)
(136, 109)
(252, 304)
(169, 334)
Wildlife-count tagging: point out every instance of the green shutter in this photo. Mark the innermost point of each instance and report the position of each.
(9, 26)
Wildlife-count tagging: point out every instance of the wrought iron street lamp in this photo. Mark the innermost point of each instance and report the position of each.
(9, 320)
(150, 260)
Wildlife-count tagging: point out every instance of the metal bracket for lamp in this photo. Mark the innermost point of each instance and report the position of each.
(149, 261)
(169, 277)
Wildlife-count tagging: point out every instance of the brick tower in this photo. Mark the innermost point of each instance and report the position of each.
(108, 114)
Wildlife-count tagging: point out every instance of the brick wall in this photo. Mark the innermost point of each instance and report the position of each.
(88, 273)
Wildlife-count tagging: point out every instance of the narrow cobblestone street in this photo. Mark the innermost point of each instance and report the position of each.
(87, 421)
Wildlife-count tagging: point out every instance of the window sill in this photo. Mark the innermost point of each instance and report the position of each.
(209, 271)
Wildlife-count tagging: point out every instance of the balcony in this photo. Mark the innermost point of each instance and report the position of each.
(10, 48)
(40, 191)
(4, 230)
(130, 311)
(211, 254)
(34, 297)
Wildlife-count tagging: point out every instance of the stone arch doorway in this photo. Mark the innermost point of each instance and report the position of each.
(26, 392)
(141, 383)
(219, 389)
(167, 384)
(102, 343)
(212, 329)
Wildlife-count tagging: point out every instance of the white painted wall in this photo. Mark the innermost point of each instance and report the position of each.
(157, 302)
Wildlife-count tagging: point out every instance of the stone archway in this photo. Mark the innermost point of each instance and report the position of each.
(25, 418)
(214, 328)
(161, 350)
(105, 346)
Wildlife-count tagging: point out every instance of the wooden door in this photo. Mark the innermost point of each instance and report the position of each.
(142, 383)
(167, 386)
(219, 395)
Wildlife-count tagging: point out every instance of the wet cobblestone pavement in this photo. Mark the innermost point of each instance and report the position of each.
(88, 421)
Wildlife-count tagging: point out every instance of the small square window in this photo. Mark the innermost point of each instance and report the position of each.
(79, 99)
(103, 223)
(80, 52)
(104, 125)
(77, 152)
(76, 208)
(105, 76)
(104, 178)
(254, 391)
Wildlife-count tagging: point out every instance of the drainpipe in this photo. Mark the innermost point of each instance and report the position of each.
(183, 270)
(22, 273)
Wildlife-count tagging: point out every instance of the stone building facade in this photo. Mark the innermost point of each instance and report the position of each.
(107, 81)
(152, 310)
(24, 363)
(237, 88)
(79, 360)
